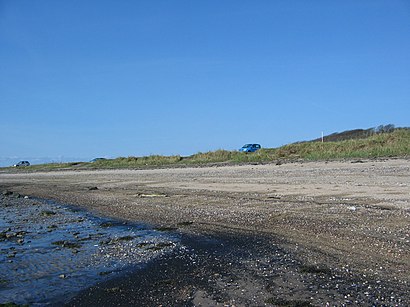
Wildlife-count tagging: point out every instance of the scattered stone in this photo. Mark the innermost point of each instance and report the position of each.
(274, 197)
(144, 244)
(48, 213)
(12, 255)
(161, 246)
(7, 193)
(114, 290)
(3, 235)
(126, 238)
(106, 224)
(141, 195)
(67, 244)
(20, 234)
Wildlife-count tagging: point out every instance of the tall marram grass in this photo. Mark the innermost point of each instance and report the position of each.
(136, 162)
(394, 144)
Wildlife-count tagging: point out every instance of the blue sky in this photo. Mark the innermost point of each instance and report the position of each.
(112, 78)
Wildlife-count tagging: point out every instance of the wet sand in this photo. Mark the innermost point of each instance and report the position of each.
(294, 234)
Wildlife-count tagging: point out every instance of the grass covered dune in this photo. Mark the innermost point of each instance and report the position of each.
(379, 145)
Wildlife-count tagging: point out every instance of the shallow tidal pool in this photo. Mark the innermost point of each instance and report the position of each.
(49, 252)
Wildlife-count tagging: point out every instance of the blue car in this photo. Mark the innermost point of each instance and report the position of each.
(22, 163)
(250, 148)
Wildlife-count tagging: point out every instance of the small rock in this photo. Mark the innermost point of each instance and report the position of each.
(10, 235)
(92, 188)
(62, 276)
(48, 213)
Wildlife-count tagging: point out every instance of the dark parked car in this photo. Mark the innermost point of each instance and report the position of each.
(22, 163)
(250, 148)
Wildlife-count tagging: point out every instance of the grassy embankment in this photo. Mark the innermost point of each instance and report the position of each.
(394, 144)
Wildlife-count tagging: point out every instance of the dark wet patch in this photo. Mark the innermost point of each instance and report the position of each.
(104, 273)
(315, 269)
(287, 303)
(166, 228)
(228, 268)
(125, 238)
(12, 305)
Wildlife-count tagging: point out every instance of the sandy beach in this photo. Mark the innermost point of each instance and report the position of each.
(292, 234)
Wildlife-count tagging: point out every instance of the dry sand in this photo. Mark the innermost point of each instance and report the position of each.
(345, 218)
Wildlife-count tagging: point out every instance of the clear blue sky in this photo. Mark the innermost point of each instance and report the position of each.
(121, 78)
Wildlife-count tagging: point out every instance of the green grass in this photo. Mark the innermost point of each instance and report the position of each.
(394, 144)
(136, 162)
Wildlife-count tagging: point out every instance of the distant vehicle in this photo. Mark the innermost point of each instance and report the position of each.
(98, 159)
(250, 148)
(22, 163)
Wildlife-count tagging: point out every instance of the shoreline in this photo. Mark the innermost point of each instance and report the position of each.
(344, 225)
